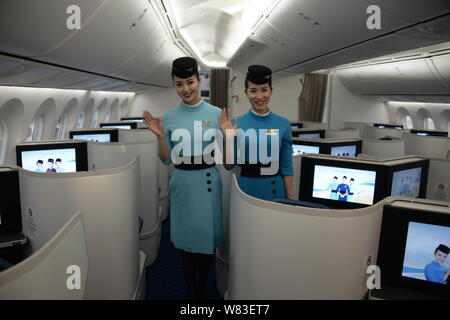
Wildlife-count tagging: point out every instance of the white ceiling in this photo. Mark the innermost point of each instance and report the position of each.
(215, 29)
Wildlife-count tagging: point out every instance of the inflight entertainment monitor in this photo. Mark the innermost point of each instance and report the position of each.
(53, 157)
(342, 184)
(409, 179)
(430, 133)
(119, 125)
(414, 250)
(107, 135)
(389, 126)
(349, 149)
(132, 119)
(308, 134)
(304, 147)
(296, 125)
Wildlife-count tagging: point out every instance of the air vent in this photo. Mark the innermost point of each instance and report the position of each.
(135, 23)
(310, 20)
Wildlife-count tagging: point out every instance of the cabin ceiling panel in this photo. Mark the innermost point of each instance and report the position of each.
(101, 45)
(403, 77)
(326, 38)
(30, 27)
(412, 11)
(442, 64)
(343, 23)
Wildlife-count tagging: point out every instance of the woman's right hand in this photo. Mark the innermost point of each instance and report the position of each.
(154, 124)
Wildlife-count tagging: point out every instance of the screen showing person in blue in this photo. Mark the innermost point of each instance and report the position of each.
(101, 137)
(351, 185)
(309, 135)
(344, 151)
(302, 149)
(57, 160)
(118, 127)
(406, 183)
(426, 253)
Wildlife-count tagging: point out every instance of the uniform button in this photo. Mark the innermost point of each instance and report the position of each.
(208, 174)
(274, 191)
(273, 182)
(208, 182)
(209, 189)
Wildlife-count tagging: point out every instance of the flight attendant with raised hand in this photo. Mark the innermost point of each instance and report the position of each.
(269, 127)
(195, 186)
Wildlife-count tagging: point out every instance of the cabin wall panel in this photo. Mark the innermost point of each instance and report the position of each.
(51, 103)
(346, 106)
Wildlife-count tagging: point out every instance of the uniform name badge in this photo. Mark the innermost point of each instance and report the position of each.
(272, 132)
(206, 123)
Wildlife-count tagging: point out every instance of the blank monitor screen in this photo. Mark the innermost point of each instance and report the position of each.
(101, 137)
(344, 151)
(426, 252)
(406, 183)
(50, 161)
(303, 149)
(344, 184)
(309, 135)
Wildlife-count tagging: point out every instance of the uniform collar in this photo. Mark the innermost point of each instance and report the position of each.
(260, 115)
(194, 107)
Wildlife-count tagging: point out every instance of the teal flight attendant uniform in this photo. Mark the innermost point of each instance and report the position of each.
(195, 195)
(266, 187)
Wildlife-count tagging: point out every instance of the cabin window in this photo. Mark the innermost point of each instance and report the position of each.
(94, 121)
(407, 122)
(428, 123)
(61, 127)
(3, 141)
(80, 120)
(36, 129)
(107, 115)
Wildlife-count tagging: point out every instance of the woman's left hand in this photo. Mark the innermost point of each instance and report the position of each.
(228, 129)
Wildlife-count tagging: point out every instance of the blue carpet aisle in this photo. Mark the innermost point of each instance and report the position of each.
(165, 280)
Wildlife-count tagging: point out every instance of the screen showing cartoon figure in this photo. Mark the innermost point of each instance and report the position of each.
(344, 151)
(343, 184)
(406, 183)
(303, 149)
(426, 253)
(101, 137)
(309, 135)
(50, 161)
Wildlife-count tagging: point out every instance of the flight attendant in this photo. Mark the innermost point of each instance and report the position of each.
(195, 186)
(252, 180)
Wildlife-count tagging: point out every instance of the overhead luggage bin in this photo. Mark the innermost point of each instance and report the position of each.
(32, 28)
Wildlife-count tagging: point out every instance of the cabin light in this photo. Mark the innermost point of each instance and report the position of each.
(252, 16)
(203, 60)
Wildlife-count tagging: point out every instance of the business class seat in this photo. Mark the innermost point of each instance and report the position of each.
(54, 271)
(301, 203)
(4, 265)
